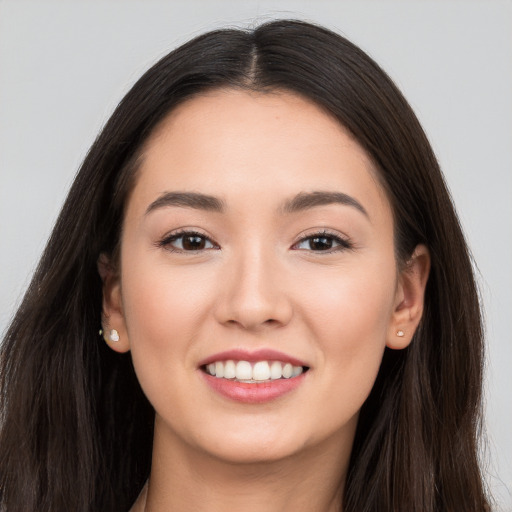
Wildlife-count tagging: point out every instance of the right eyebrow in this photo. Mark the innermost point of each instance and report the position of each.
(187, 200)
(306, 200)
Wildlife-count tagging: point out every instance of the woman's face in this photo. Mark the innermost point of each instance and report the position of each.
(257, 242)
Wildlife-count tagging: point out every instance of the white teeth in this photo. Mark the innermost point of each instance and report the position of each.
(229, 370)
(287, 370)
(243, 370)
(297, 370)
(261, 371)
(257, 372)
(219, 369)
(276, 370)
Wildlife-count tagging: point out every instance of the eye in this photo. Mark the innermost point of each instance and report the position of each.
(323, 242)
(187, 241)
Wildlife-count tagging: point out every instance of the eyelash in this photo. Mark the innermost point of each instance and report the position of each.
(169, 239)
(342, 243)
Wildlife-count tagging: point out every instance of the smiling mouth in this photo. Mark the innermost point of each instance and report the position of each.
(253, 373)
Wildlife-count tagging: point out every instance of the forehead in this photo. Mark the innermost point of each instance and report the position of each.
(235, 143)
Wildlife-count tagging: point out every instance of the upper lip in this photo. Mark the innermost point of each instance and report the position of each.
(252, 356)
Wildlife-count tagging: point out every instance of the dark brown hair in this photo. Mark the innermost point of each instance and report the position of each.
(76, 429)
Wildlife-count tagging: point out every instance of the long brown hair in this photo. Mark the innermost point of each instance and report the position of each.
(76, 429)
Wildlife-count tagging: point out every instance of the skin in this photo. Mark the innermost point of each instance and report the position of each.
(257, 283)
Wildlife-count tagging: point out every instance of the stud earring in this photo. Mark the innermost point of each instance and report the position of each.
(114, 335)
(400, 334)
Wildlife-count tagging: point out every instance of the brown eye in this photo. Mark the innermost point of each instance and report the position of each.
(187, 242)
(323, 242)
(193, 242)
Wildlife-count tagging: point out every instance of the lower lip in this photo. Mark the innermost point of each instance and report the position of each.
(253, 393)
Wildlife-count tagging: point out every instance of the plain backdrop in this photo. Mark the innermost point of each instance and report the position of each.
(65, 65)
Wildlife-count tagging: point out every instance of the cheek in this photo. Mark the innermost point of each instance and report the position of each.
(349, 315)
(163, 309)
(159, 299)
(350, 303)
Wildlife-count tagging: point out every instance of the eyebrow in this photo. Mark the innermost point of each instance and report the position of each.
(300, 202)
(306, 200)
(187, 200)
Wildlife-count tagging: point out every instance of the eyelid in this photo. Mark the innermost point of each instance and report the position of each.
(343, 241)
(166, 240)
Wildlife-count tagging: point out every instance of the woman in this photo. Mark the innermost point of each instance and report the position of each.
(288, 317)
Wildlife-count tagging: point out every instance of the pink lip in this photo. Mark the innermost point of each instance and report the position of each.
(252, 357)
(253, 393)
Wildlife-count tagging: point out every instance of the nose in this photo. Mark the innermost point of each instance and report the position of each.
(253, 294)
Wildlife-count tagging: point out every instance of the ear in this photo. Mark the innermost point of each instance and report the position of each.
(409, 299)
(112, 316)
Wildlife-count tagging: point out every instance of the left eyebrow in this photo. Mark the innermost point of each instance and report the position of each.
(193, 200)
(306, 200)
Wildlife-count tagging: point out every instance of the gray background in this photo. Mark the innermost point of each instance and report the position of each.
(65, 65)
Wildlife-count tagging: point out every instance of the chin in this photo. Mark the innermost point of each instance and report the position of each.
(254, 445)
(254, 453)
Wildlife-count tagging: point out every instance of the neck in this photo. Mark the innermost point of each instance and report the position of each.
(183, 478)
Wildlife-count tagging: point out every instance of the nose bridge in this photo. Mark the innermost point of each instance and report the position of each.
(254, 294)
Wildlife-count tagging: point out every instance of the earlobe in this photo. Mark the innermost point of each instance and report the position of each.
(113, 327)
(410, 299)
